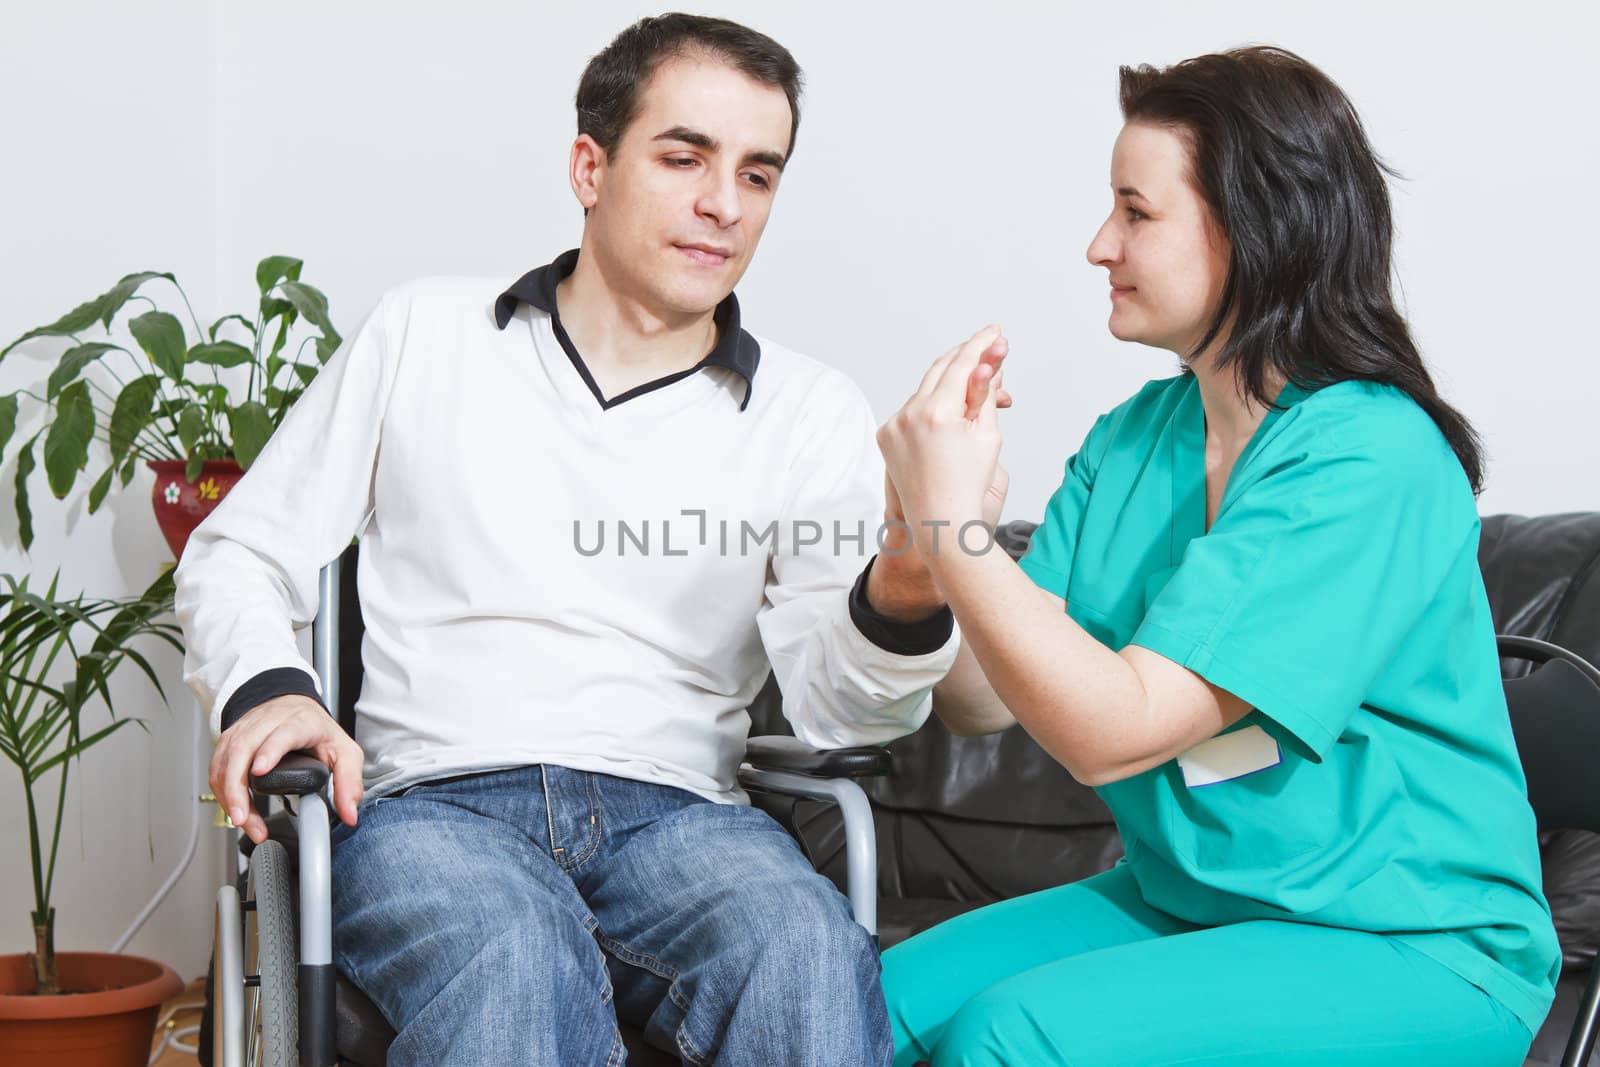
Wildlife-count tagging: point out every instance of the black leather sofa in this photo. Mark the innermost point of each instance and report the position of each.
(965, 821)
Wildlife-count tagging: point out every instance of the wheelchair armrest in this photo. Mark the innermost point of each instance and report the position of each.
(298, 774)
(777, 753)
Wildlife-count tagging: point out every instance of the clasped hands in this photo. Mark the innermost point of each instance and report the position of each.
(941, 452)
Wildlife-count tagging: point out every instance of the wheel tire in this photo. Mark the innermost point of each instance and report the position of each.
(277, 958)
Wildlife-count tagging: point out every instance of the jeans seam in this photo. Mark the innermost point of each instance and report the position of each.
(549, 812)
(596, 826)
(638, 959)
(690, 1050)
(675, 995)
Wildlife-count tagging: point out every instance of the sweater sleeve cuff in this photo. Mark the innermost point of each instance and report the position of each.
(901, 638)
(277, 682)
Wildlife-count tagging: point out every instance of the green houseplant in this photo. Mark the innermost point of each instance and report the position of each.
(166, 397)
(57, 657)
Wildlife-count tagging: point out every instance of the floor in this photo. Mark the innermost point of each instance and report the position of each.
(180, 1013)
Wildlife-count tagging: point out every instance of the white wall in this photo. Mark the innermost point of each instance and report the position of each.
(950, 170)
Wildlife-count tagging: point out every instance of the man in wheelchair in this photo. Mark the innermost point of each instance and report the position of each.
(593, 510)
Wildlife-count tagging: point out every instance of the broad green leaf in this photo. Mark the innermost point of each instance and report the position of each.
(101, 487)
(282, 398)
(239, 318)
(191, 426)
(272, 308)
(101, 309)
(77, 320)
(161, 336)
(131, 413)
(73, 360)
(66, 444)
(25, 465)
(221, 354)
(111, 302)
(274, 365)
(274, 269)
(311, 304)
(327, 346)
(251, 427)
(306, 373)
(8, 420)
(283, 335)
(216, 396)
(192, 469)
(129, 468)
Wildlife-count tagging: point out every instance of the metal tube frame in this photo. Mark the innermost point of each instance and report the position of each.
(227, 983)
(860, 842)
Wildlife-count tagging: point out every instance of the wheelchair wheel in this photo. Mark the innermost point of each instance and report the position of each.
(272, 954)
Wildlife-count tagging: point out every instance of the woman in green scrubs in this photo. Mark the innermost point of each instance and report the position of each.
(1253, 620)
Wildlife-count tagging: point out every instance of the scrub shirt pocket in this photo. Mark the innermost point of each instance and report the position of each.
(1260, 820)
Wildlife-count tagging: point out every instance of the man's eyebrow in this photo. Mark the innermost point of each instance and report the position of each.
(685, 135)
(774, 160)
(688, 136)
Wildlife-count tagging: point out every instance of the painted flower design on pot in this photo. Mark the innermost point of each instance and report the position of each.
(172, 493)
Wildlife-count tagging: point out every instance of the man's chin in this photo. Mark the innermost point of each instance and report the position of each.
(696, 296)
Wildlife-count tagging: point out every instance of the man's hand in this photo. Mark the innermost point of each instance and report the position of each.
(263, 736)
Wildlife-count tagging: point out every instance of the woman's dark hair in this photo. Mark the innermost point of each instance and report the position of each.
(608, 92)
(1279, 155)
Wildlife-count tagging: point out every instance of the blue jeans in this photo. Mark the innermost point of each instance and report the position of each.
(513, 917)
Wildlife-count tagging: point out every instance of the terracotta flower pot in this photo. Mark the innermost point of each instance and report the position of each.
(180, 506)
(109, 1024)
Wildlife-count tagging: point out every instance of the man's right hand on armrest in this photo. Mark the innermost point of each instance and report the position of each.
(263, 736)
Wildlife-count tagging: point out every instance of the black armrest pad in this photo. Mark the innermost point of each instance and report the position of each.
(296, 775)
(791, 754)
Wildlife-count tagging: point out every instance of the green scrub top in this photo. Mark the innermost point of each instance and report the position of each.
(1377, 786)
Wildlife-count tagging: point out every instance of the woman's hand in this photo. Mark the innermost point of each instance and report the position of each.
(941, 449)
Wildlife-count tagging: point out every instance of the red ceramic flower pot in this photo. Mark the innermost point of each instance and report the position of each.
(180, 505)
(106, 1019)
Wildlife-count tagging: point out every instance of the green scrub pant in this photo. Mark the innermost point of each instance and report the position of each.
(1089, 975)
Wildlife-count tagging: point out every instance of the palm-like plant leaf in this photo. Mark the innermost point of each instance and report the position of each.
(42, 720)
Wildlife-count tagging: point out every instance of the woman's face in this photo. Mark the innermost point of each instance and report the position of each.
(1167, 259)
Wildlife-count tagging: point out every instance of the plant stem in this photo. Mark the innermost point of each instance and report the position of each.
(40, 899)
(55, 837)
(44, 955)
(255, 362)
(145, 429)
(198, 329)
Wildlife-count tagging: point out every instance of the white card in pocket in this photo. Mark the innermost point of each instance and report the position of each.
(1229, 756)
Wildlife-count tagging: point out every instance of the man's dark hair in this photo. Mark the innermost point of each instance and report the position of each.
(608, 92)
(1279, 155)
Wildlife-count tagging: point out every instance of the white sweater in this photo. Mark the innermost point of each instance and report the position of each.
(477, 468)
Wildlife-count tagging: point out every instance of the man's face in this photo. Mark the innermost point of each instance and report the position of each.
(679, 206)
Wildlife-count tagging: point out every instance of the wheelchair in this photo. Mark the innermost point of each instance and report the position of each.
(275, 997)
